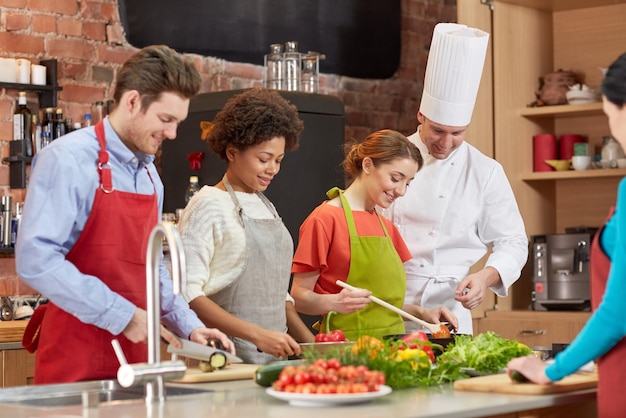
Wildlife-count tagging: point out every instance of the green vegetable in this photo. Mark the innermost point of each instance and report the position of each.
(268, 374)
(485, 353)
(518, 377)
(398, 374)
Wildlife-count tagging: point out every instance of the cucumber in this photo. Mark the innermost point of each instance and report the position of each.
(268, 374)
(518, 377)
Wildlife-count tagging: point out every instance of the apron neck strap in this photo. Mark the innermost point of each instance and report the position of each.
(348, 212)
(104, 169)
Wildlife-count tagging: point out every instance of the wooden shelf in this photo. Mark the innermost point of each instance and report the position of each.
(35, 87)
(48, 92)
(561, 5)
(589, 109)
(573, 174)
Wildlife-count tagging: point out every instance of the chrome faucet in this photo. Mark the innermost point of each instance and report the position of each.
(154, 372)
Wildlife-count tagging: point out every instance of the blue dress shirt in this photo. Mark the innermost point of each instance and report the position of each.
(60, 195)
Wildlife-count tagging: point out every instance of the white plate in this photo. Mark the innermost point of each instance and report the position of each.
(471, 372)
(331, 399)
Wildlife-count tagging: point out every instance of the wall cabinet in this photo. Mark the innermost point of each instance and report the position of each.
(535, 328)
(18, 367)
(530, 38)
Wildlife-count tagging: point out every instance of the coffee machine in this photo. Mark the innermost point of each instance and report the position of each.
(561, 271)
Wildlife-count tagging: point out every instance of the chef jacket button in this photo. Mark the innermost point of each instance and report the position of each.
(441, 196)
(421, 265)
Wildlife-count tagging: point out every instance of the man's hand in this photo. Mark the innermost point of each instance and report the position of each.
(137, 330)
(473, 288)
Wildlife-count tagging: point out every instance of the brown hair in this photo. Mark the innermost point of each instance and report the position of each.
(382, 147)
(252, 117)
(154, 70)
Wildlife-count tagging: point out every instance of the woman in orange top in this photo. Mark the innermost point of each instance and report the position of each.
(346, 239)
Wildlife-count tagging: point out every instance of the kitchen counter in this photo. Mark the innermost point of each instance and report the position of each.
(12, 331)
(245, 399)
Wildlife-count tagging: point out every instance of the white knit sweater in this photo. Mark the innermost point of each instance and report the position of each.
(214, 239)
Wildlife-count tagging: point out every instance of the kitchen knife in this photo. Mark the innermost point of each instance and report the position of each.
(200, 352)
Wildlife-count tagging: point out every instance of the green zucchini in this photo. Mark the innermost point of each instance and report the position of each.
(518, 377)
(268, 374)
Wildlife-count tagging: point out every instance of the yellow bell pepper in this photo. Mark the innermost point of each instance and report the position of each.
(416, 356)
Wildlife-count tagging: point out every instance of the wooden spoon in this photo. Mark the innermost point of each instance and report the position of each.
(438, 330)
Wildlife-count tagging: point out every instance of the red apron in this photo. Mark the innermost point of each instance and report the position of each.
(111, 247)
(611, 399)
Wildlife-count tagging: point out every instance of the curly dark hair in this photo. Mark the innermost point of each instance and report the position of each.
(252, 117)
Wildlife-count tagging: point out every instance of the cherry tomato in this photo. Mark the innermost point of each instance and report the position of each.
(302, 377)
(321, 363)
(333, 363)
(337, 336)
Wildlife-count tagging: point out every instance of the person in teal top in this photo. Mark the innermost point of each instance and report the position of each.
(602, 337)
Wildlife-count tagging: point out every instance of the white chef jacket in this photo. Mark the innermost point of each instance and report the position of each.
(453, 212)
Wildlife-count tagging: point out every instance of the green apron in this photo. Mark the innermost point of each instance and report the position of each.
(376, 266)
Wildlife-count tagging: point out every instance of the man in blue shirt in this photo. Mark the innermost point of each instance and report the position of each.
(93, 198)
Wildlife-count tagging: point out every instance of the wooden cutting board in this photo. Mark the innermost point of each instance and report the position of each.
(231, 372)
(502, 383)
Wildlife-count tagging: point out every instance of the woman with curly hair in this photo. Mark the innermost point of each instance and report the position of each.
(238, 249)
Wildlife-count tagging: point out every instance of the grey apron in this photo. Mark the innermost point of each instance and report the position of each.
(258, 294)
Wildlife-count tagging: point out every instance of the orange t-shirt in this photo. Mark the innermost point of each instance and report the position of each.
(324, 244)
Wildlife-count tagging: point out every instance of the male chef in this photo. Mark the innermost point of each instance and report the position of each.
(461, 203)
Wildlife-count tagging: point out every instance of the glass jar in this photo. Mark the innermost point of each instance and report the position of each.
(274, 67)
(310, 79)
(291, 59)
(611, 152)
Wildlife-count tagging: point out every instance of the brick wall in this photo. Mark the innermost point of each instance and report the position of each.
(87, 39)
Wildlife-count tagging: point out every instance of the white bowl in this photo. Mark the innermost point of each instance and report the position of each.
(582, 96)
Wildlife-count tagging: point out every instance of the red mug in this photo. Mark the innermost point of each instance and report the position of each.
(544, 148)
(566, 145)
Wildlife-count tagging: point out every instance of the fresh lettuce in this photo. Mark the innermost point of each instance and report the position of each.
(485, 353)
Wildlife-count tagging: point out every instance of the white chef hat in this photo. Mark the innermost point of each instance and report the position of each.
(455, 65)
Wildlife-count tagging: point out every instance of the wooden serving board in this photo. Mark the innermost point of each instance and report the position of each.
(231, 372)
(502, 383)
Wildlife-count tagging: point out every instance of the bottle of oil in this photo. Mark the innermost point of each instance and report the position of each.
(192, 189)
(47, 124)
(58, 125)
(22, 124)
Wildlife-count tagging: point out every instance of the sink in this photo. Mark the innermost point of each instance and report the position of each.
(70, 394)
